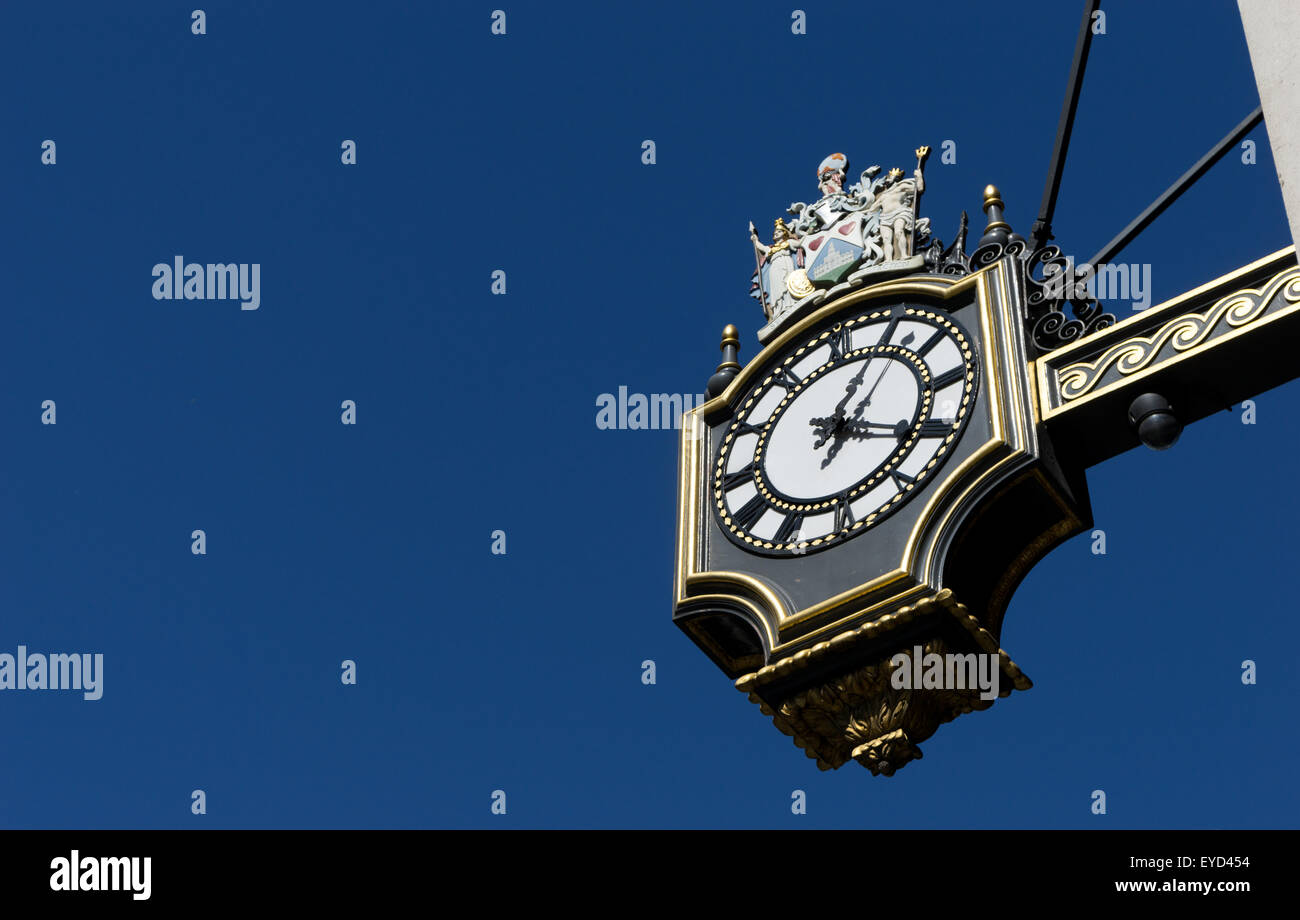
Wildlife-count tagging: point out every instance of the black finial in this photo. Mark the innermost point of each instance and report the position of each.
(730, 366)
(998, 230)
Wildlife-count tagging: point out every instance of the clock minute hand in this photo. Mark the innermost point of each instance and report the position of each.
(866, 400)
(849, 390)
(836, 425)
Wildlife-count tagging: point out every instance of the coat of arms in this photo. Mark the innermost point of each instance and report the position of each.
(870, 228)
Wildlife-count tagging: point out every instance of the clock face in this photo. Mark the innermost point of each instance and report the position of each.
(844, 429)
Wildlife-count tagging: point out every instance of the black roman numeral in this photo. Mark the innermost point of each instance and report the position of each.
(930, 343)
(934, 428)
(900, 479)
(843, 515)
(786, 377)
(748, 516)
(889, 330)
(841, 343)
(789, 527)
(947, 378)
(739, 477)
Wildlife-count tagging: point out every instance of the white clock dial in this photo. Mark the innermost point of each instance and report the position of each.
(844, 429)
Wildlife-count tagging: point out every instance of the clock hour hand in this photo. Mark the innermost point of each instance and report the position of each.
(829, 425)
(833, 426)
(826, 426)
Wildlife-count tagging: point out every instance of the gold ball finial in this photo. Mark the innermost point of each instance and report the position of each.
(998, 229)
(729, 367)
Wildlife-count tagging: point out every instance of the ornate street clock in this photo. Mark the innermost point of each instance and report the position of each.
(858, 503)
(875, 481)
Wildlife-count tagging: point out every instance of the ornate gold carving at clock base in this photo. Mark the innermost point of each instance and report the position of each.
(860, 715)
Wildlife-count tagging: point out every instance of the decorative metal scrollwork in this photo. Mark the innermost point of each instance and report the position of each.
(1058, 308)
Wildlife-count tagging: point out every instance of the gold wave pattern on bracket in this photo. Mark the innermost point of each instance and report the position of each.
(1185, 332)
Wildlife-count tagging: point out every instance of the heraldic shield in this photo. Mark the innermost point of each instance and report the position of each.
(835, 252)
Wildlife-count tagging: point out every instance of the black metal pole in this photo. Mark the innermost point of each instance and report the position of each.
(1170, 195)
(1042, 230)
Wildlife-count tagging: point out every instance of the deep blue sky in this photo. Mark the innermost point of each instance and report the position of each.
(476, 412)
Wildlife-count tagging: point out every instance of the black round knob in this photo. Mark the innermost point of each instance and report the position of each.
(1153, 417)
